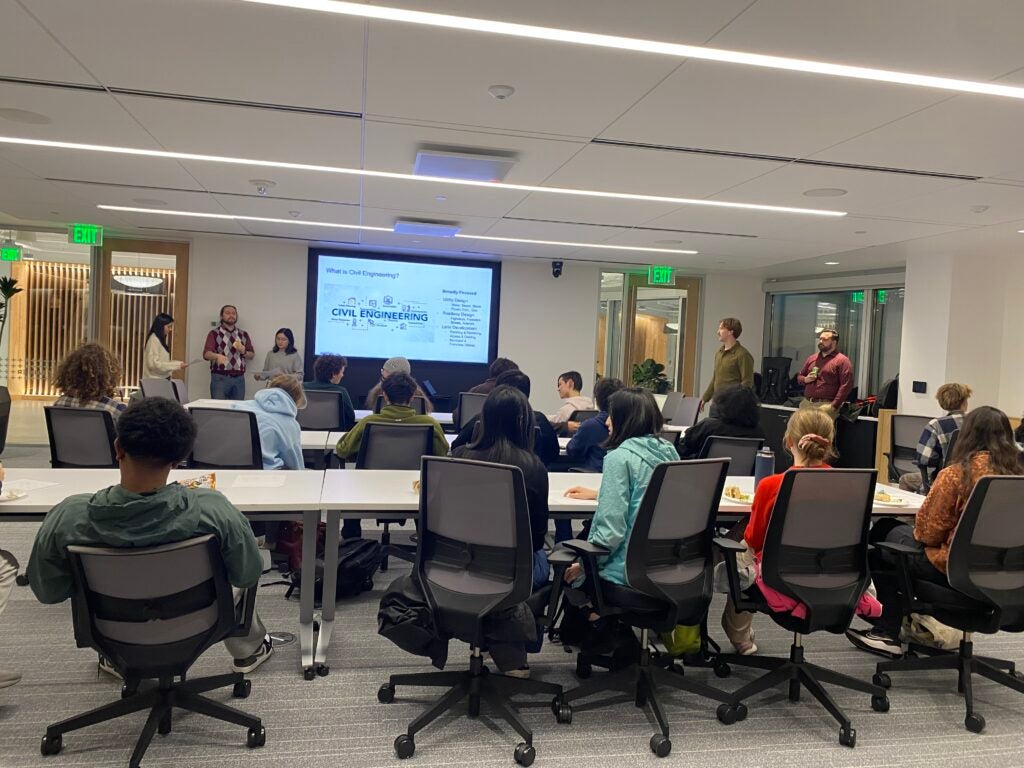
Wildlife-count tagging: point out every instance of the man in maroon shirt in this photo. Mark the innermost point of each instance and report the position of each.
(228, 348)
(827, 377)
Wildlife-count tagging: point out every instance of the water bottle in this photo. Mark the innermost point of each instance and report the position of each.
(764, 465)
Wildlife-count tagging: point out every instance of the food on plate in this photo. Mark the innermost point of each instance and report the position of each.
(203, 481)
(416, 486)
(736, 493)
(885, 497)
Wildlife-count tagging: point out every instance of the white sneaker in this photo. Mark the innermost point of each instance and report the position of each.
(106, 665)
(250, 664)
(748, 648)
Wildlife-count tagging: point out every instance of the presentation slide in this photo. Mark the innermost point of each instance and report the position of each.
(376, 308)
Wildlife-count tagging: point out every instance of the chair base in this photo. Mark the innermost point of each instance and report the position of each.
(477, 685)
(966, 665)
(799, 674)
(641, 679)
(160, 700)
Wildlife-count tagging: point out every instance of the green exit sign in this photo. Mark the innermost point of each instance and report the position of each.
(858, 297)
(658, 275)
(10, 253)
(85, 234)
(881, 296)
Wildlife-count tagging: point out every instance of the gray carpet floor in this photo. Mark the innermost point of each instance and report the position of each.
(337, 721)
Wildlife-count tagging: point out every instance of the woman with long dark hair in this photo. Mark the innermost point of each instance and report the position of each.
(156, 361)
(284, 358)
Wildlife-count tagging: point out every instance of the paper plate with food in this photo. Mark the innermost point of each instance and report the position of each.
(887, 499)
(733, 493)
(11, 494)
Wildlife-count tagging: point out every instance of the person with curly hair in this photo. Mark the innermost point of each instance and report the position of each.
(88, 378)
(328, 371)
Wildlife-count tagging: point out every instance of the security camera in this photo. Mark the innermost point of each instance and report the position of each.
(556, 269)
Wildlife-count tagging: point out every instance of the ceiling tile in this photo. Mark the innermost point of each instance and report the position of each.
(953, 205)
(26, 50)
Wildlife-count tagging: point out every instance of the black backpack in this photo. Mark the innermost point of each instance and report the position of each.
(358, 560)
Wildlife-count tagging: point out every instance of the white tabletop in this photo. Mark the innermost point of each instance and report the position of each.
(316, 440)
(207, 402)
(334, 437)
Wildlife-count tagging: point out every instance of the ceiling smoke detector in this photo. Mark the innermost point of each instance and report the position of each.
(263, 186)
(825, 192)
(501, 92)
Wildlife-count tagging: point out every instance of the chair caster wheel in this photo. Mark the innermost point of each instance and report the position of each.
(52, 745)
(308, 673)
(405, 746)
(257, 737)
(562, 710)
(660, 745)
(848, 737)
(882, 680)
(880, 703)
(975, 723)
(242, 689)
(127, 693)
(731, 713)
(21, 579)
(386, 693)
(525, 754)
(322, 670)
(583, 668)
(741, 712)
(722, 669)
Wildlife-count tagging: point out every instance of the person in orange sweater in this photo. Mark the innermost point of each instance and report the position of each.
(985, 447)
(809, 436)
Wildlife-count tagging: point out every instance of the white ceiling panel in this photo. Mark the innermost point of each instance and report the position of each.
(299, 232)
(103, 168)
(442, 76)
(1004, 202)
(27, 51)
(731, 249)
(136, 197)
(227, 50)
(9, 170)
(383, 217)
(285, 209)
(458, 203)
(297, 185)
(747, 109)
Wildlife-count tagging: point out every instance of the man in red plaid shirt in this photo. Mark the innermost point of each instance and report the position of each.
(228, 348)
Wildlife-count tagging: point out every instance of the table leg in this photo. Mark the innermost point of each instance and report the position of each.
(307, 641)
(330, 595)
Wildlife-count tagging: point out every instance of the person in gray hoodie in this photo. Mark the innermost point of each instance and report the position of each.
(144, 510)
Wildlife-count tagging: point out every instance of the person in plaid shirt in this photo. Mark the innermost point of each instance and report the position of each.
(228, 348)
(88, 378)
(934, 441)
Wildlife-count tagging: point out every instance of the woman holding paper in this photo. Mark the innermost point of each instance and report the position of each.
(156, 361)
(283, 358)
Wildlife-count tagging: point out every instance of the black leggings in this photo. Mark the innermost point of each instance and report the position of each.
(885, 570)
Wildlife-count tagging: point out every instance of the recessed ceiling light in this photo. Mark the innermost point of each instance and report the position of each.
(979, 208)
(860, 231)
(406, 177)
(231, 217)
(825, 192)
(295, 214)
(440, 198)
(831, 263)
(23, 116)
(668, 242)
(501, 92)
(646, 46)
(149, 202)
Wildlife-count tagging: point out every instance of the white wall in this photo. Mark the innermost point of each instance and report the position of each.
(730, 296)
(924, 343)
(1011, 384)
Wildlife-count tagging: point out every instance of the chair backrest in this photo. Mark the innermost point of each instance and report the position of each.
(418, 404)
(581, 416)
(774, 378)
(80, 437)
(470, 405)
(815, 549)
(475, 553)
(742, 451)
(903, 436)
(668, 408)
(181, 390)
(986, 556)
(686, 412)
(670, 555)
(151, 609)
(226, 439)
(670, 436)
(394, 446)
(159, 388)
(323, 411)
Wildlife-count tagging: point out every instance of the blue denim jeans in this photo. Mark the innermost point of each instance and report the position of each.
(227, 387)
(563, 530)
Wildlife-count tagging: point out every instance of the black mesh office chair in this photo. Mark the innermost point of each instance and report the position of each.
(985, 592)
(475, 558)
(80, 438)
(669, 563)
(774, 379)
(903, 436)
(815, 552)
(686, 412)
(225, 439)
(470, 405)
(418, 404)
(582, 415)
(153, 611)
(928, 474)
(159, 388)
(741, 450)
(323, 411)
(671, 436)
(180, 390)
(671, 404)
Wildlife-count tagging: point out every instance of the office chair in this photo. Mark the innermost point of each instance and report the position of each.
(669, 563)
(774, 380)
(824, 567)
(903, 436)
(580, 416)
(671, 404)
(418, 404)
(470, 405)
(323, 412)
(225, 439)
(159, 388)
(926, 471)
(474, 558)
(181, 390)
(394, 446)
(671, 436)
(741, 450)
(153, 611)
(985, 591)
(686, 412)
(80, 438)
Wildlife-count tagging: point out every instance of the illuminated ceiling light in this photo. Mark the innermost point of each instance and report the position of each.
(677, 50)
(134, 151)
(578, 245)
(138, 281)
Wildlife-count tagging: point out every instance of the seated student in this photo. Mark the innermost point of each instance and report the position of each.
(395, 365)
(985, 447)
(634, 450)
(276, 408)
(934, 441)
(570, 385)
(88, 378)
(586, 448)
(506, 437)
(736, 415)
(545, 445)
(328, 371)
(144, 510)
(809, 437)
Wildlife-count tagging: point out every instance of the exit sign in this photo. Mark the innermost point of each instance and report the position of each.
(658, 275)
(10, 253)
(881, 296)
(85, 234)
(858, 297)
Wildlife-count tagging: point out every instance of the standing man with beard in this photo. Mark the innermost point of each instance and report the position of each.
(827, 377)
(228, 348)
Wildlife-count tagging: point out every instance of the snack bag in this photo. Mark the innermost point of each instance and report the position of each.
(203, 481)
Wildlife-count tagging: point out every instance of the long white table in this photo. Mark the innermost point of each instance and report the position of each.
(442, 417)
(332, 439)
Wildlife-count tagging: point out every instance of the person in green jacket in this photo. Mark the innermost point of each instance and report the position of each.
(733, 363)
(144, 510)
(634, 450)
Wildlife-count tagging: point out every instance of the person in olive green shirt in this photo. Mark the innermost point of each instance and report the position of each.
(733, 363)
(144, 510)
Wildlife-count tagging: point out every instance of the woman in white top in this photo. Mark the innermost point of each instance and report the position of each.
(283, 358)
(156, 361)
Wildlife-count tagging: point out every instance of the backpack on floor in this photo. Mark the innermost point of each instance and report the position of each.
(358, 561)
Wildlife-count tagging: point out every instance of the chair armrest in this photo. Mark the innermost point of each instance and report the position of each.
(589, 553)
(903, 550)
(581, 547)
(729, 545)
(248, 606)
(730, 549)
(561, 556)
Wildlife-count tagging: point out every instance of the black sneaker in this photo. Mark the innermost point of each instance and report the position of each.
(873, 641)
(250, 664)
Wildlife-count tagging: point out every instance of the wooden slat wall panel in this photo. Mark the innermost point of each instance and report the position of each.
(131, 315)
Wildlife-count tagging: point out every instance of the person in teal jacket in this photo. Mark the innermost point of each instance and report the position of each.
(280, 435)
(634, 450)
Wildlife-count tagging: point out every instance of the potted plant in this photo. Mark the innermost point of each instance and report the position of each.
(650, 375)
(8, 290)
